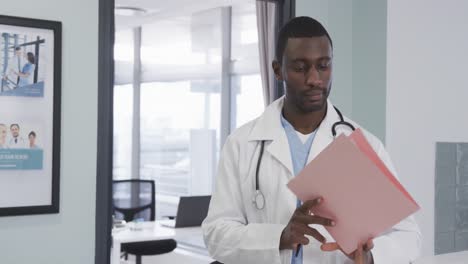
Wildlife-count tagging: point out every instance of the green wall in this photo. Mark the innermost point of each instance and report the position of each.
(358, 29)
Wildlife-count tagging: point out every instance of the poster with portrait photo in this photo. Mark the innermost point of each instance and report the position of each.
(21, 146)
(30, 78)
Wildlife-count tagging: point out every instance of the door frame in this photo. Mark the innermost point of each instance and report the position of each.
(103, 224)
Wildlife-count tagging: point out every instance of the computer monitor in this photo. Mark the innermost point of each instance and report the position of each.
(191, 211)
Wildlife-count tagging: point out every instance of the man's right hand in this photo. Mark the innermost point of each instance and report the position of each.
(298, 226)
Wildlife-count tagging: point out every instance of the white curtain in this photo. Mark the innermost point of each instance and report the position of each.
(266, 19)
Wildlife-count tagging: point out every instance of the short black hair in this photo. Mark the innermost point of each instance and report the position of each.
(12, 125)
(31, 57)
(299, 27)
(32, 133)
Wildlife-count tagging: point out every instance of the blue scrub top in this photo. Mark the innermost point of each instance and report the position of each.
(299, 155)
(28, 68)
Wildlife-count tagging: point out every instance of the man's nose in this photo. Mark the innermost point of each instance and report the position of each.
(313, 77)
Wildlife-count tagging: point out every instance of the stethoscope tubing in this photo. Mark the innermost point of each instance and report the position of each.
(258, 198)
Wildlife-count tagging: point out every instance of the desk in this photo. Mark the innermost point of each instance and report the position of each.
(450, 258)
(188, 238)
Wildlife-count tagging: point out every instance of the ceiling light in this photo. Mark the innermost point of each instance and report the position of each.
(129, 11)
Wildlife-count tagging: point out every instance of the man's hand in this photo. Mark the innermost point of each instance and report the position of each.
(362, 255)
(298, 226)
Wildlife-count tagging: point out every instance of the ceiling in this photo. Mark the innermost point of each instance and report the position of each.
(156, 10)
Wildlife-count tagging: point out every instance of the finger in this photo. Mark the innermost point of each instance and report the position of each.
(313, 233)
(359, 256)
(295, 247)
(300, 239)
(369, 245)
(330, 246)
(314, 219)
(307, 205)
(319, 220)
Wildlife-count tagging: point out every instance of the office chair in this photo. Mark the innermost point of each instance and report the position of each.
(133, 199)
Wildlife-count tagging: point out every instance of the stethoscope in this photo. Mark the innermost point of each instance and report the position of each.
(258, 198)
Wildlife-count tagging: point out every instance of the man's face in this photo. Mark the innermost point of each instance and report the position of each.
(14, 131)
(3, 132)
(306, 71)
(32, 139)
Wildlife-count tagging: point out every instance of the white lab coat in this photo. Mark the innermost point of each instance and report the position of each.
(20, 143)
(236, 232)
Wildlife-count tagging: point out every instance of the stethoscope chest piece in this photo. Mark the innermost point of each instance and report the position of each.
(259, 200)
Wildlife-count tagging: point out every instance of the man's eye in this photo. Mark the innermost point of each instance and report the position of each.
(323, 67)
(299, 68)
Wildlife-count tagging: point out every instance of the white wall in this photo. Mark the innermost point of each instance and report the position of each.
(426, 92)
(67, 237)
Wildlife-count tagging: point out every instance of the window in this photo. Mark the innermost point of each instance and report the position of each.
(174, 116)
(122, 150)
(123, 105)
(246, 84)
(180, 103)
(248, 93)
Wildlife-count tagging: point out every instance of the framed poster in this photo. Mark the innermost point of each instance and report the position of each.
(30, 94)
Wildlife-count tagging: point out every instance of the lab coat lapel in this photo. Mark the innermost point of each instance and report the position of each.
(324, 133)
(279, 148)
(268, 127)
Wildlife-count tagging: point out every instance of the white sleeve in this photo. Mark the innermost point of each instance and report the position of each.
(402, 243)
(228, 235)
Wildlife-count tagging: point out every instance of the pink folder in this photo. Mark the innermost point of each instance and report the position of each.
(360, 194)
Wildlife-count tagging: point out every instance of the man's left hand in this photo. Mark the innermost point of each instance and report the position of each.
(362, 255)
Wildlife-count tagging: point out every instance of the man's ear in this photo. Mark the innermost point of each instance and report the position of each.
(277, 70)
